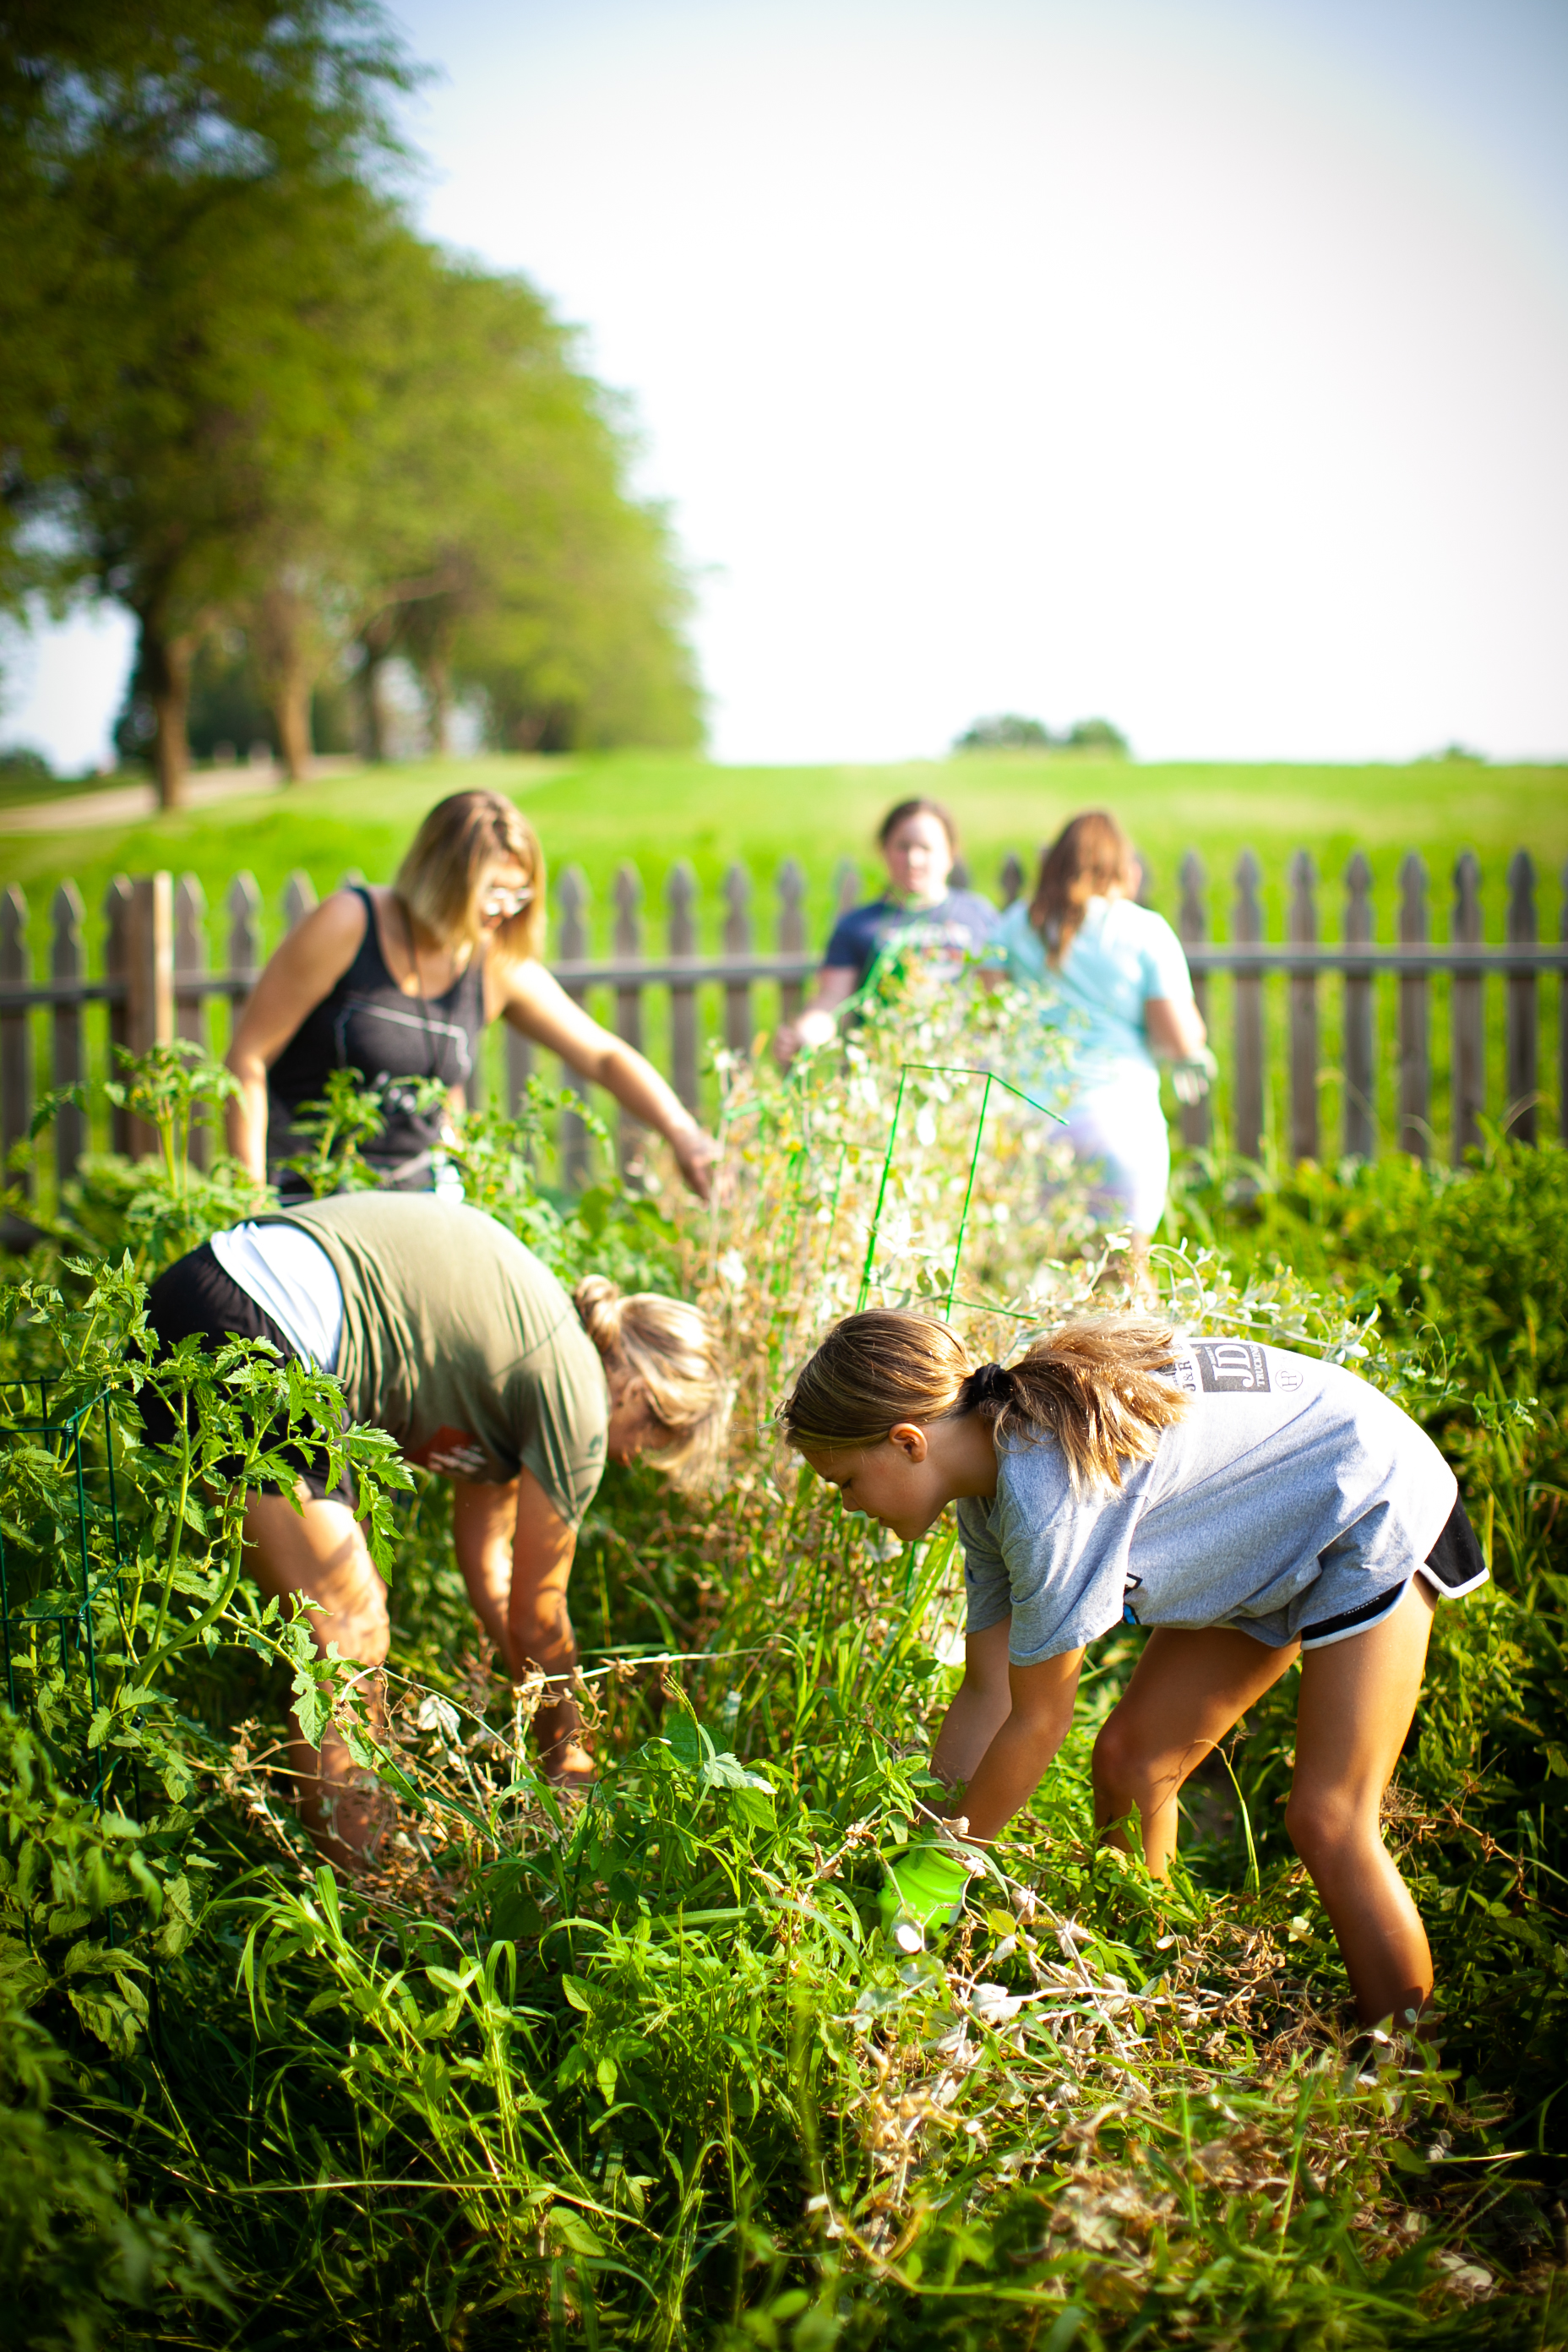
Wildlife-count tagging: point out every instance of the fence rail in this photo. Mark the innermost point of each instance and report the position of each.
(157, 982)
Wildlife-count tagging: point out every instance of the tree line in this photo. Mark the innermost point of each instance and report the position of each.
(240, 392)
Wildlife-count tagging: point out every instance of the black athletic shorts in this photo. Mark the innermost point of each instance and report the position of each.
(1455, 1566)
(196, 1296)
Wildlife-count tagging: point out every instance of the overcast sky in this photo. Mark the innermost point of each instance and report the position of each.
(1202, 365)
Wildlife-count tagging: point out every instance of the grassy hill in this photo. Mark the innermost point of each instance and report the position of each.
(654, 808)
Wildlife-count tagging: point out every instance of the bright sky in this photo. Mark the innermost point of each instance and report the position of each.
(1203, 364)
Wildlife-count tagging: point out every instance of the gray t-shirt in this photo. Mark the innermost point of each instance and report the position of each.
(1292, 1492)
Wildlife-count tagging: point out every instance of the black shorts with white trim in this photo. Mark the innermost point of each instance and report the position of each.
(1455, 1565)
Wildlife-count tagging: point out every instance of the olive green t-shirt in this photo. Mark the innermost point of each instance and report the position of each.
(460, 1345)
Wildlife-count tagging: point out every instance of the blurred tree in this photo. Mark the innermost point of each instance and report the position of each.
(499, 550)
(248, 394)
(191, 193)
(1096, 735)
(1007, 733)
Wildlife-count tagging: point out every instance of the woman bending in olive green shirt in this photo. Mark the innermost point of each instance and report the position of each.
(448, 1334)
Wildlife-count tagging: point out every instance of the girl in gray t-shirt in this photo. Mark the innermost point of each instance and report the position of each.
(1249, 1505)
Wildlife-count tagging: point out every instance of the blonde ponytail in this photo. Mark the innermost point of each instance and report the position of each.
(1094, 1386)
(673, 1350)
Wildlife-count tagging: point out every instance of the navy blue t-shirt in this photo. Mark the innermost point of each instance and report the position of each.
(956, 924)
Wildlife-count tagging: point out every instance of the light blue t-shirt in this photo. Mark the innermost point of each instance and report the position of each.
(1122, 955)
(1292, 1492)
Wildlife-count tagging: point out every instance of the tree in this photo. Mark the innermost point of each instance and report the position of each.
(277, 408)
(1097, 735)
(207, 171)
(1007, 733)
(499, 550)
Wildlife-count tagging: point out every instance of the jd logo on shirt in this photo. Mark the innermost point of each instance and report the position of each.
(1226, 1366)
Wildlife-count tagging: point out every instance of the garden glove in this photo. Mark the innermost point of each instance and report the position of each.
(924, 1885)
(1190, 1076)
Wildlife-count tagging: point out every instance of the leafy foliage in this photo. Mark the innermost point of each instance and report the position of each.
(646, 2069)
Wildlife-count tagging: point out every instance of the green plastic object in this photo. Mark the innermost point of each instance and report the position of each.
(923, 1887)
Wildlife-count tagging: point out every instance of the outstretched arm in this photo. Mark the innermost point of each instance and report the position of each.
(981, 1706)
(816, 1021)
(1023, 1745)
(1174, 1029)
(537, 1005)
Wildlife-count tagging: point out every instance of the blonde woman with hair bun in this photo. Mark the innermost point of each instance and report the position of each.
(450, 1336)
(400, 982)
(1251, 1507)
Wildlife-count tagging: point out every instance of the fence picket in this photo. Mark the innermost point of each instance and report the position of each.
(571, 897)
(67, 968)
(1524, 1038)
(150, 980)
(116, 967)
(298, 897)
(1360, 1046)
(1467, 1081)
(791, 887)
(15, 1032)
(1302, 928)
(1414, 1061)
(1246, 929)
(1192, 925)
(846, 886)
(190, 965)
(1010, 883)
(680, 899)
(738, 941)
(626, 934)
(243, 905)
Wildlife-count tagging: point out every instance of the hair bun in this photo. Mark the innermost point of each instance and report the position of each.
(600, 1307)
(988, 1384)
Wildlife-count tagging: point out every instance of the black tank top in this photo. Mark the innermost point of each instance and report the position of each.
(368, 1024)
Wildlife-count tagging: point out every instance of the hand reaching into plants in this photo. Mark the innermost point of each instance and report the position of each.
(1192, 1076)
(695, 1153)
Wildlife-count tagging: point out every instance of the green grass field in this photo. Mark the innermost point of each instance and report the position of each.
(656, 808)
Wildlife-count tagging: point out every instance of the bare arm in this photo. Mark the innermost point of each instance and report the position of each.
(1023, 1745)
(981, 1706)
(818, 1019)
(536, 1004)
(298, 975)
(515, 1551)
(1174, 1029)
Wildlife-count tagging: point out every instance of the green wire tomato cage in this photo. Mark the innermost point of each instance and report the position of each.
(66, 1606)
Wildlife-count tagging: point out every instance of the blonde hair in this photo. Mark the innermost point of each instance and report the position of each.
(1088, 857)
(442, 875)
(1094, 1386)
(672, 1349)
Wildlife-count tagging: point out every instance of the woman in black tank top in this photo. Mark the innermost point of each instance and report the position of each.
(399, 985)
(370, 1024)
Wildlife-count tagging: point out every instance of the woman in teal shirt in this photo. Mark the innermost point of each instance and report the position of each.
(1114, 992)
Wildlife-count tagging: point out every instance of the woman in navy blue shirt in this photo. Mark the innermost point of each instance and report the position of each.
(919, 842)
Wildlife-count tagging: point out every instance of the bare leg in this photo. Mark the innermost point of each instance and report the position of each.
(1357, 1700)
(1185, 1693)
(319, 1551)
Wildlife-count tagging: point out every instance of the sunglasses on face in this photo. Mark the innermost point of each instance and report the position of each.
(500, 906)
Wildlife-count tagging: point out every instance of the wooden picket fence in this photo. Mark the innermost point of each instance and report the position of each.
(155, 979)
